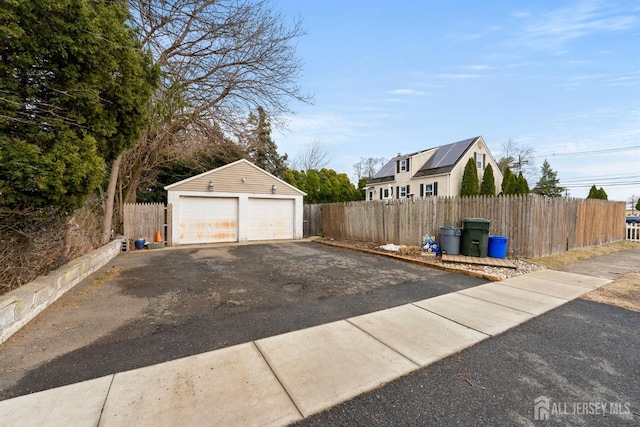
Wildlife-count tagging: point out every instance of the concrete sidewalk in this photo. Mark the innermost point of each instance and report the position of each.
(285, 378)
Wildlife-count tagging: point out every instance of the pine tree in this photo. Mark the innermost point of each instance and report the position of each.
(522, 186)
(508, 182)
(602, 195)
(548, 183)
(488, 187)
(638, 204)
(262, 149)
(470, 183)
(593, 193)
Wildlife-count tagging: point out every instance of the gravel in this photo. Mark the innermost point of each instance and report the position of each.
(415, 253)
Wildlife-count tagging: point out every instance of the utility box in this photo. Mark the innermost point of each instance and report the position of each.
(475, 237)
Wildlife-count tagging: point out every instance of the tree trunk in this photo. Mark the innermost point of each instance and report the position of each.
(111, 194)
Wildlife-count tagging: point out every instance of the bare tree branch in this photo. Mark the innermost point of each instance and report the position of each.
(220, 60)
(311, 156)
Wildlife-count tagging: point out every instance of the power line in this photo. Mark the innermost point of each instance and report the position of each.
(576, 153)
(602, 184)
(600, 178)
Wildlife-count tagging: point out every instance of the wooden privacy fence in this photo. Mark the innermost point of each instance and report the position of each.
(312, 220)
(144, 219)
(535, 225)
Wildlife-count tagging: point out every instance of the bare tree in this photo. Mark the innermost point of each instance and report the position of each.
(368, 167)
(311, 156)
(518, 158)
(219, 60)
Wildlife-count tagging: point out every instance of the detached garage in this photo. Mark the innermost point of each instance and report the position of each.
(234, 203)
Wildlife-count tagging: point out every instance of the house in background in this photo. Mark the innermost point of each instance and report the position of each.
(433, 172)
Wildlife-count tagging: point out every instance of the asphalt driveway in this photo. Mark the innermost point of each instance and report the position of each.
(148, 307)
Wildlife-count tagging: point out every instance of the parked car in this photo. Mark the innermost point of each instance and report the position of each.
(631, 219)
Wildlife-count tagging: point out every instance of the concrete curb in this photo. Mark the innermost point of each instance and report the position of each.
(21, 305)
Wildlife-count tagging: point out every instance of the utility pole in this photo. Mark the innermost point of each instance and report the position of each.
(520, 162)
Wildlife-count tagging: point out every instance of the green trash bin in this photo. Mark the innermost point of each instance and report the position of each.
(475, 237)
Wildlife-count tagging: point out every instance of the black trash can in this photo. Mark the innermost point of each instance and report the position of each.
(450, 240)
(475, 237)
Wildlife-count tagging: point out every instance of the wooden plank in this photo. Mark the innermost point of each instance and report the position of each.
(493, 262)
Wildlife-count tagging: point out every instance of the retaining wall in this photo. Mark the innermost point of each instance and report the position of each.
(19, 306)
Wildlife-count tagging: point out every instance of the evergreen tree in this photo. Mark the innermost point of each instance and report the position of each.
(75, 87)
(522, 186)
(263, 151)
(323, 186)
(602, 195)
(508, 182)
(548, 183)
(638, 204)
(488, 187)
(597, 193)
(470, 182)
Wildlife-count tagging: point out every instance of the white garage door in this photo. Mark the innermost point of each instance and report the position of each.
(208, 220)
(270, 219)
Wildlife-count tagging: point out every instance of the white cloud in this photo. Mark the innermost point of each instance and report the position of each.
(407, 92)
(556, 29)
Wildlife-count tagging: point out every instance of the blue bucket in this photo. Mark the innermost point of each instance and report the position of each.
(498, 246)
(140, 243)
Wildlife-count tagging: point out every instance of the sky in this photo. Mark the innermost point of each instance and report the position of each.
(389, 77)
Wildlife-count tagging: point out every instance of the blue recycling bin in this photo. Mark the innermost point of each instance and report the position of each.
(498, 246)
(140, 243)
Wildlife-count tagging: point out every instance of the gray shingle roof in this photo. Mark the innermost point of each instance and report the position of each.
(442, 161)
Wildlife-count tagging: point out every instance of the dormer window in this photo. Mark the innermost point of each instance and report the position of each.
(402, 165)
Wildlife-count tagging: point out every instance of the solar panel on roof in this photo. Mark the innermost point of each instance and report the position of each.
(448, 155)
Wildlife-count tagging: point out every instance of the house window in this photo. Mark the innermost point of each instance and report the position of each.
(403, 191)
(479, 158)
(371, 195)
(385, 193)
(403, 165)
(429, 189)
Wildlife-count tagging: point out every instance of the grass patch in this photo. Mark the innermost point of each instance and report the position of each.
(624, 292)
(583, 253)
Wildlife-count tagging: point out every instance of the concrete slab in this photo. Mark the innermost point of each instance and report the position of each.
(231, 386)
(546, 287)
(327, 364)
(477, 314)
(417, 334)
(530, 302)
(570, 278)
(77, 404)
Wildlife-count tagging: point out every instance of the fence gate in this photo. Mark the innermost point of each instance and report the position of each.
(144, 220)
(312, 220)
